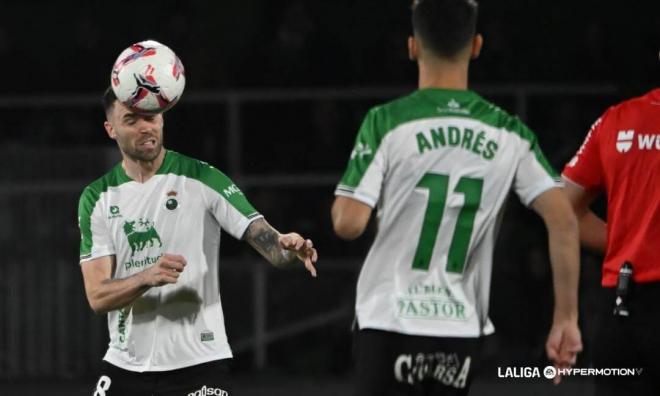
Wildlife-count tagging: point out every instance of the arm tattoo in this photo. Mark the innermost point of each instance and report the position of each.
(264, 239)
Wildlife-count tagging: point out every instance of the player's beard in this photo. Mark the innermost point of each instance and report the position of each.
(137, 152)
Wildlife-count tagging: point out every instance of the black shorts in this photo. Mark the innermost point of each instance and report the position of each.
(204, 379)
(393, 364)
(631, 342)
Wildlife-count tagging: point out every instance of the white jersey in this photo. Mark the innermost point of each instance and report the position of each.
(180, 210)
(438, 164)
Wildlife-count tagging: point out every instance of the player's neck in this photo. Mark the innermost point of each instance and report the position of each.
(141, 171)
(447, 75)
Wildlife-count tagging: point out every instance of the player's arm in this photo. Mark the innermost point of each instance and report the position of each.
(349, 217)
(281, 250)
(106, 294)
(564, 340)
(593, 230)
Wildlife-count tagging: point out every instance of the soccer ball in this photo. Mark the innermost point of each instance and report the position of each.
(148, 77)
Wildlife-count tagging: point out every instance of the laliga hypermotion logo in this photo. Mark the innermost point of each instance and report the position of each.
(624, 141)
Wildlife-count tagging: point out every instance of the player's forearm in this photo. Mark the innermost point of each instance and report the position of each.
(112, 294)
(265, 239)
(565, 261)
(593, 232)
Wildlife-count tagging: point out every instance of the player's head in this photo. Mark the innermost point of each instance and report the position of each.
(445, 30)
(139, 136)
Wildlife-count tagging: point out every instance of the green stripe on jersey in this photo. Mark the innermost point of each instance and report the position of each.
(430, 103)
(182, 165)
(88, 199)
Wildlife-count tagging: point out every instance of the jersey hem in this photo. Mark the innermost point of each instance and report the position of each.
(570, 179)
(343, 191)
(90, 257)
(115, 360)
(540, 190)
(246, 223)
(489, 329)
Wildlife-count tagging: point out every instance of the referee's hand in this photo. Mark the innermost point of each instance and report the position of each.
(563, 345)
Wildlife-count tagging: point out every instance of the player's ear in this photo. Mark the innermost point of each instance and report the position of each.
(110, 130)
(477, 43)
(412, 48)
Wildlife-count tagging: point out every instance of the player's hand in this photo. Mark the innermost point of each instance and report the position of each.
(167, 269)
(303, 248)
(563, 345)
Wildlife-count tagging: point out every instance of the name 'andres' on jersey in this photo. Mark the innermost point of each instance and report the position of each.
(465, 138)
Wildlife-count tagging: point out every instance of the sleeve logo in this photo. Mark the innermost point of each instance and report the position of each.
(231, 190)
(360, 151)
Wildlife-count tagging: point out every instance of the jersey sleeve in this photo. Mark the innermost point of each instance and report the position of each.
(95, 240)
(586, 168)
(226, 202)
(534, 174)
(363, 177)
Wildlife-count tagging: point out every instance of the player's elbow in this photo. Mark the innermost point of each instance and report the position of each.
(347, 230)
(97, 306)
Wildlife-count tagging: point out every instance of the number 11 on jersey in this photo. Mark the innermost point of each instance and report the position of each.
(438, 185)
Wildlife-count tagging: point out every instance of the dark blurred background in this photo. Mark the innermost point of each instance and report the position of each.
(275, 93)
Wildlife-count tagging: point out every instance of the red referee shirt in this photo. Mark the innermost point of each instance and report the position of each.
(621, 155)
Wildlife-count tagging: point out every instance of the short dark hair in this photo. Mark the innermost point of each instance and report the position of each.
(108, 100)
(445, 27)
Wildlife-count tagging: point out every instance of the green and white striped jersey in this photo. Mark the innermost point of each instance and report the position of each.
(438, 165)
(180, 210)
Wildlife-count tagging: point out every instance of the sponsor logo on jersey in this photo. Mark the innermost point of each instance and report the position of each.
(141, 233)
(231, 190)
(121, 324)
(645, 141)
(204, 391)
(624, 141)
(445, 368)
(648, 141)
(114, 212)
(428, 301)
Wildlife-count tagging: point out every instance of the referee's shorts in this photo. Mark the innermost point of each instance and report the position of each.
(631, 342)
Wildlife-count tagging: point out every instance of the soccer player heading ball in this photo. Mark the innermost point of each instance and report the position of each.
(438, 165)
(149, 256)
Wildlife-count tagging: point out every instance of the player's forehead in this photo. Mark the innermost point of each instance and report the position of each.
(122, 112)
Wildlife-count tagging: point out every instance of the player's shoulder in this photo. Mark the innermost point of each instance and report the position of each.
(199, 170)
(113, 178)
(182, 165)
(510, 124)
